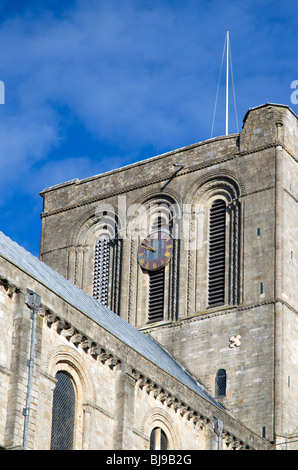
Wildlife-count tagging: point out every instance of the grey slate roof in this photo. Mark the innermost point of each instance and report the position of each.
(128, 334)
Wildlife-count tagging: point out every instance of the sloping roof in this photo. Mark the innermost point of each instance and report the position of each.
(128, 334)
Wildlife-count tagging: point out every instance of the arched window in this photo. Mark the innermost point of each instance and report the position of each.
(63, 413)
(220, 383)
(217, 253)
(158, 440)
(213, 231)
(161, 222)
(157, 254)
(102, 269)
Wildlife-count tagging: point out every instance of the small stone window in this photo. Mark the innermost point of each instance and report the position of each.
(158, 440)
(63, 413)
(220, 383)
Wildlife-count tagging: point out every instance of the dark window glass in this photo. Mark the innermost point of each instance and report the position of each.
(220, 383)
(63, 414)
(158, 439)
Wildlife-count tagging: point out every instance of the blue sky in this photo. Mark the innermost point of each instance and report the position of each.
(92, 85)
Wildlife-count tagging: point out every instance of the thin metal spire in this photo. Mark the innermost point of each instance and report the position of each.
(227, 85)
(227, 50)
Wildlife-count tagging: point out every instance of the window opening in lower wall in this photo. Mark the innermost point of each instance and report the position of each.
(63, 413)
(158, 440)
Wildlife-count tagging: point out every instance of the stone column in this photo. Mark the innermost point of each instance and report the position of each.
(87, 427)
(124, 410)
(19, 373)
(279, 249)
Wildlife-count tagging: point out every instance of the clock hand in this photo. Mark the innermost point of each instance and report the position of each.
(148, 247)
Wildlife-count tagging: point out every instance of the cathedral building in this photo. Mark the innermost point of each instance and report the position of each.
(162, 313)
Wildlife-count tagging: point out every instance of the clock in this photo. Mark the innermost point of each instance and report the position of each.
(155, 251)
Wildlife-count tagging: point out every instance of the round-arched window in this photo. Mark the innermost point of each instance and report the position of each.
(63, 413)
(158, 439)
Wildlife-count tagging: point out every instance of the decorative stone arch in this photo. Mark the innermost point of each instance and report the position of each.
(92, 223)
(143, 211)
(157, 417)
(213, 186)
(152, 204)
(68, 360)
(102, 220)
(216, 177)
(167, 193)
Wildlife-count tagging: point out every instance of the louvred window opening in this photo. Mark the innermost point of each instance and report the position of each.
(156, 295)
(217, 252)
(101, 270)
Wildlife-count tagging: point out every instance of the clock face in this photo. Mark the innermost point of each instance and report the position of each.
(155, 251)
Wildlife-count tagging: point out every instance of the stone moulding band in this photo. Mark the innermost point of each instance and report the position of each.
(197, 167)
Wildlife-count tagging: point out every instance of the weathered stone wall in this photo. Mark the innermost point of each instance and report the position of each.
(255, 172)
(6, 329)
(120, 395)
(237, 341)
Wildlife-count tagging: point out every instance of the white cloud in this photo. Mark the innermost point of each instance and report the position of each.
(125, 76)
(134, 73)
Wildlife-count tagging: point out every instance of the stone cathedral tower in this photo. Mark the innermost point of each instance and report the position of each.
(198, 248)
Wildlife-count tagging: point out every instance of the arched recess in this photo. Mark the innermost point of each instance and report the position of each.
(158, 418)
(157, 212)
(65, 359)
(212, 189)
(102, 222)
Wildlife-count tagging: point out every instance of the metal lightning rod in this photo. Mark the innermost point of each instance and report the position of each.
(227, 86)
